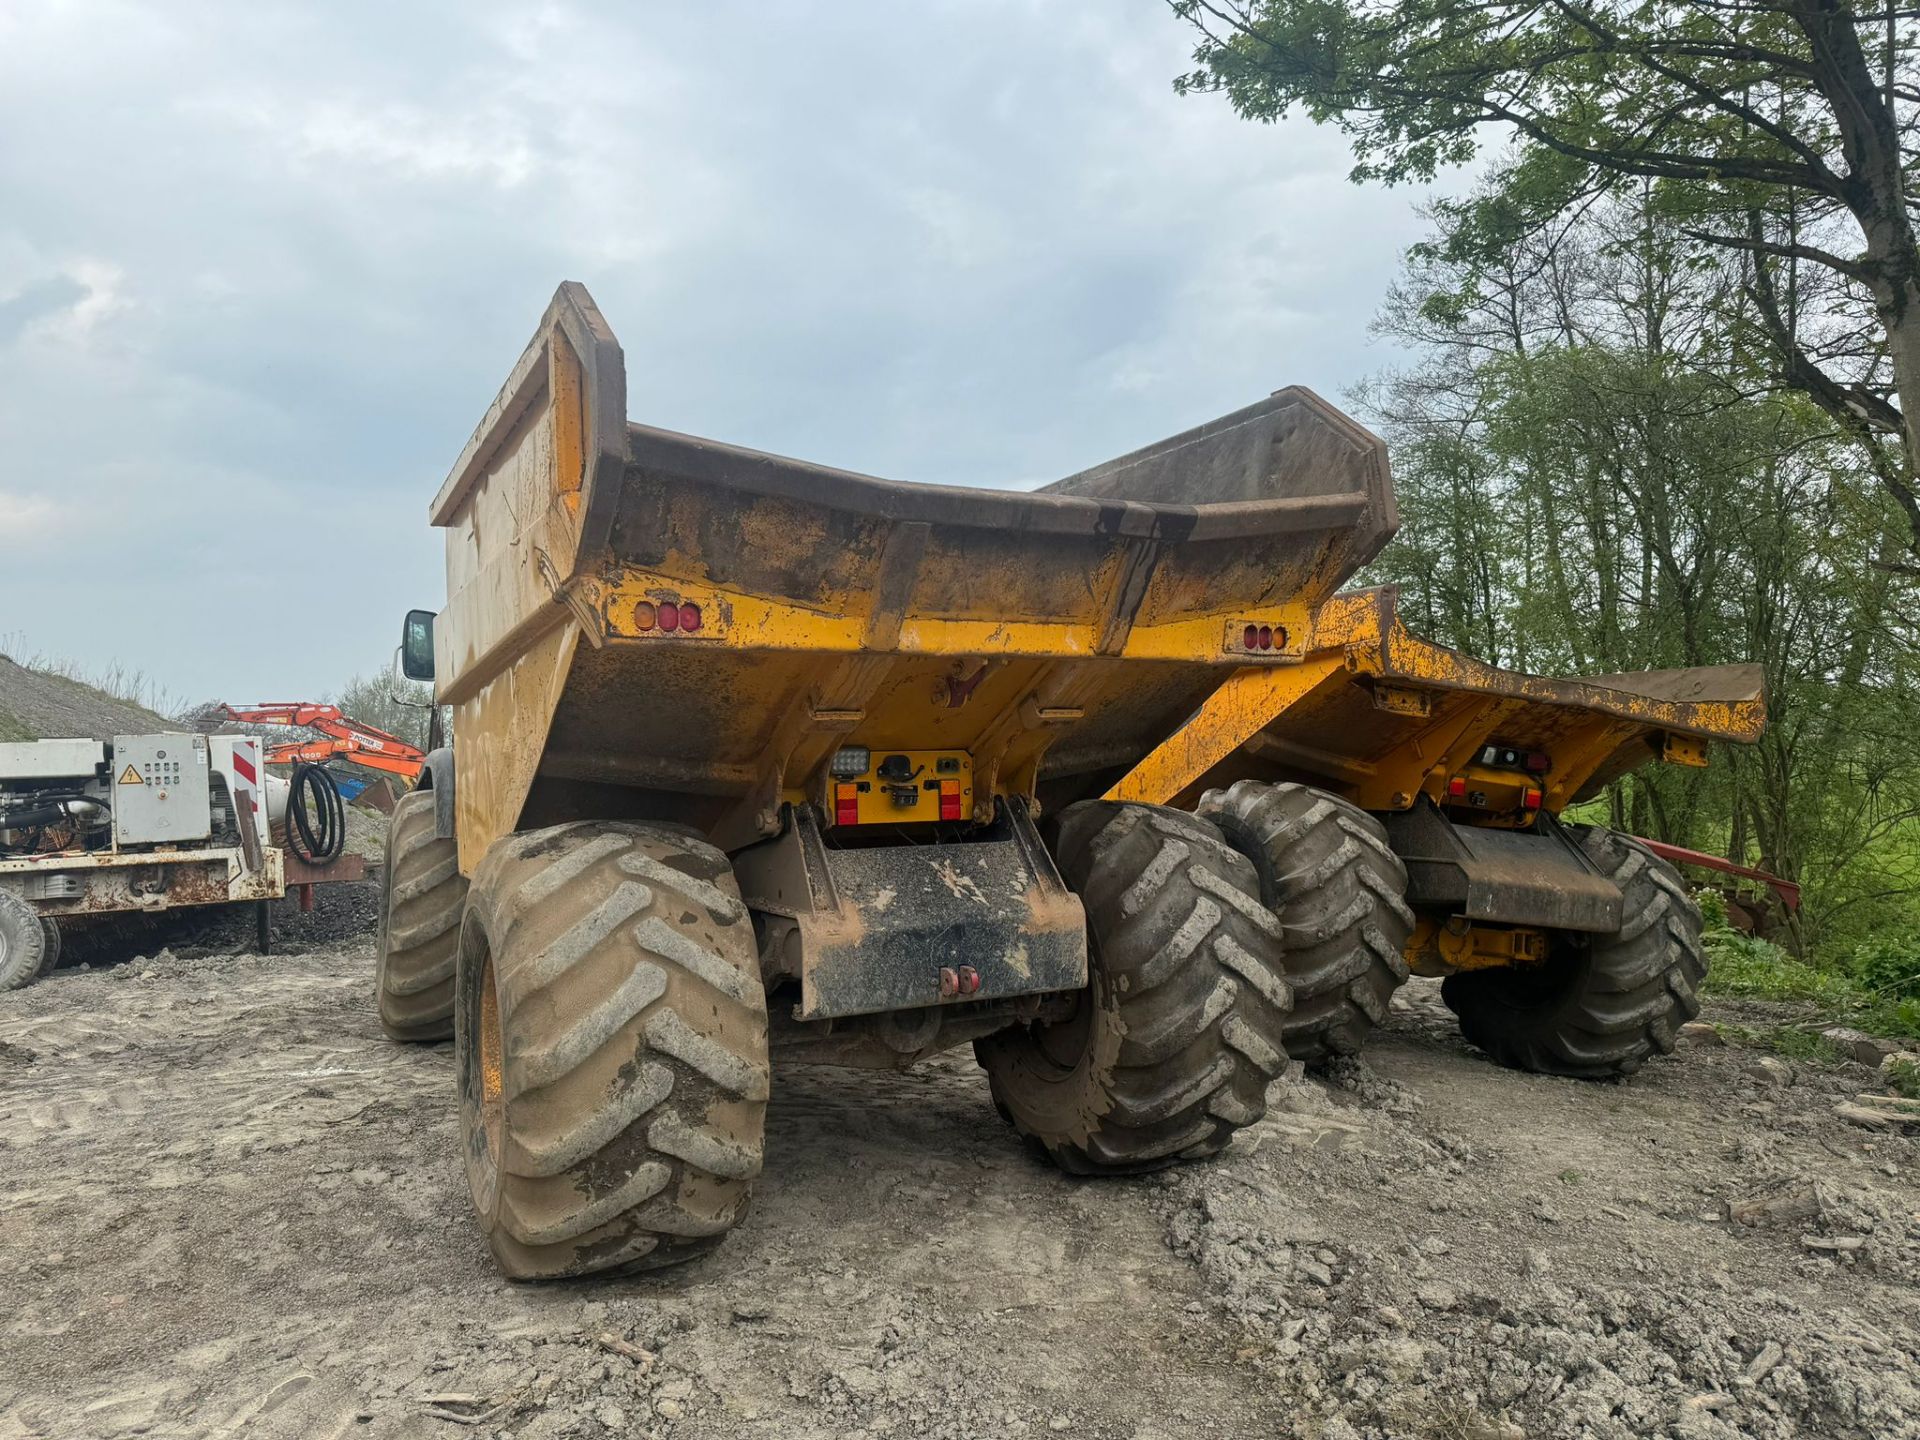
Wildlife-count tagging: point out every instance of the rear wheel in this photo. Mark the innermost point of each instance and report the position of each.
(1599, 1006)
(1339, 893)
(23, 943)
(422, 896)
(1178, 1033)
(612, 1049)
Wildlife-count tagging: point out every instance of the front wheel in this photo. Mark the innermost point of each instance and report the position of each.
(1599, 1006)
(1178, 1033)
(612, 1048)
(23, 943)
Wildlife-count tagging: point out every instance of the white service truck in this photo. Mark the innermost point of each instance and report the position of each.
(139, 823)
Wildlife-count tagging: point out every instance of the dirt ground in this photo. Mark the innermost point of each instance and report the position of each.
(229, 1207)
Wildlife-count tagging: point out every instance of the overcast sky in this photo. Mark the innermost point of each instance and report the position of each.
(263, 265)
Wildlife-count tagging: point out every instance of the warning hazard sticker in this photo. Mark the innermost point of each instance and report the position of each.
(131, 776)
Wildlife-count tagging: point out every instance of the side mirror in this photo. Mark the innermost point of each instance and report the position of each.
(416, 646)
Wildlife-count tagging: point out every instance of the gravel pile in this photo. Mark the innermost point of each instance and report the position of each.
(37, 706)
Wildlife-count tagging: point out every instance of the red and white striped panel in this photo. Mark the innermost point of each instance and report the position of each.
(246, 775)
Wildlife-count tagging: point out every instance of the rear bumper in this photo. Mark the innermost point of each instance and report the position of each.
(910, 926)
(1536, 877)
(148, 880)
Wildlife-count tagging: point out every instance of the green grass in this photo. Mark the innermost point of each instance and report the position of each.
(1788, 1040)
(1903, 1076)
(1742, 966)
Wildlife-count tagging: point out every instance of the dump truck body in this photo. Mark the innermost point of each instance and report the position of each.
(647, 625)
(1466, 763)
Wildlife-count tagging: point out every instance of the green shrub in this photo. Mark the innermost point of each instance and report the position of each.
(1713, 910)
(1889, 968)
(1746, 965)
(1902, 1074)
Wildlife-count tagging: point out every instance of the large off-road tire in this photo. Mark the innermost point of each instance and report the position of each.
(1339, 893)
(422, 896)
(1599, 1006)
(1173, 1042)
(612, 1048)
(23, 943)
(50, 961)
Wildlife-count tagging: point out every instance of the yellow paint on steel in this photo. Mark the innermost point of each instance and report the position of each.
(911, 798)
(1439, 947)
(761, 622)
(1229, 717)
(1386, 718)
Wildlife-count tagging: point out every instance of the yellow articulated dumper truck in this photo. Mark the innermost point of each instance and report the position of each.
(752, 756)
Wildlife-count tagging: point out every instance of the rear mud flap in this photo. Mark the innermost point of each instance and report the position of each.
(899, 927)
(1537, 877)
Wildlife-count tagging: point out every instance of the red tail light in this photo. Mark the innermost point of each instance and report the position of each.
(846, 805)
(1266, 637)
(950, 800)
(1532, 798)
(689, 616)
(1251, 639)
(669, 615)
(1457, 788)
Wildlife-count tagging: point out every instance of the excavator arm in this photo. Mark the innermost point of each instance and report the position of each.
(346, 738)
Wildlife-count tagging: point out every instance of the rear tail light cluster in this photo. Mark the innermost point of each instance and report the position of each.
(846, 805)
(1531, 798)
(1254, 637)
(667, 615)
(950, 800)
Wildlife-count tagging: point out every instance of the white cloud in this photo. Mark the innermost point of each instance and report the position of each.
(26, 517)
(975, 241)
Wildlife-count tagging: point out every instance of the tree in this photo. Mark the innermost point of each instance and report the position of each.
(399, 707)
(1582, 490)
(1772, 130)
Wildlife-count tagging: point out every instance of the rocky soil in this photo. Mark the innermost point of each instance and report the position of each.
(228, 1207)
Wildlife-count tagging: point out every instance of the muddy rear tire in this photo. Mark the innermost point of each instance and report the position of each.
(1599, 1006)
(1339, 893)
(612, 1049)
(23, 943)
(422, 895)
(1178, 1033)
(50, 961)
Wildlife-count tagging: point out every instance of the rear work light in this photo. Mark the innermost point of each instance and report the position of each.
(849, 761)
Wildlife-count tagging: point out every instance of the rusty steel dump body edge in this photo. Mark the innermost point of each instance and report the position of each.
(1054, 637)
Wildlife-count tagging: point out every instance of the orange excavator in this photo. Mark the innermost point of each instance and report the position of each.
(345, 738)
